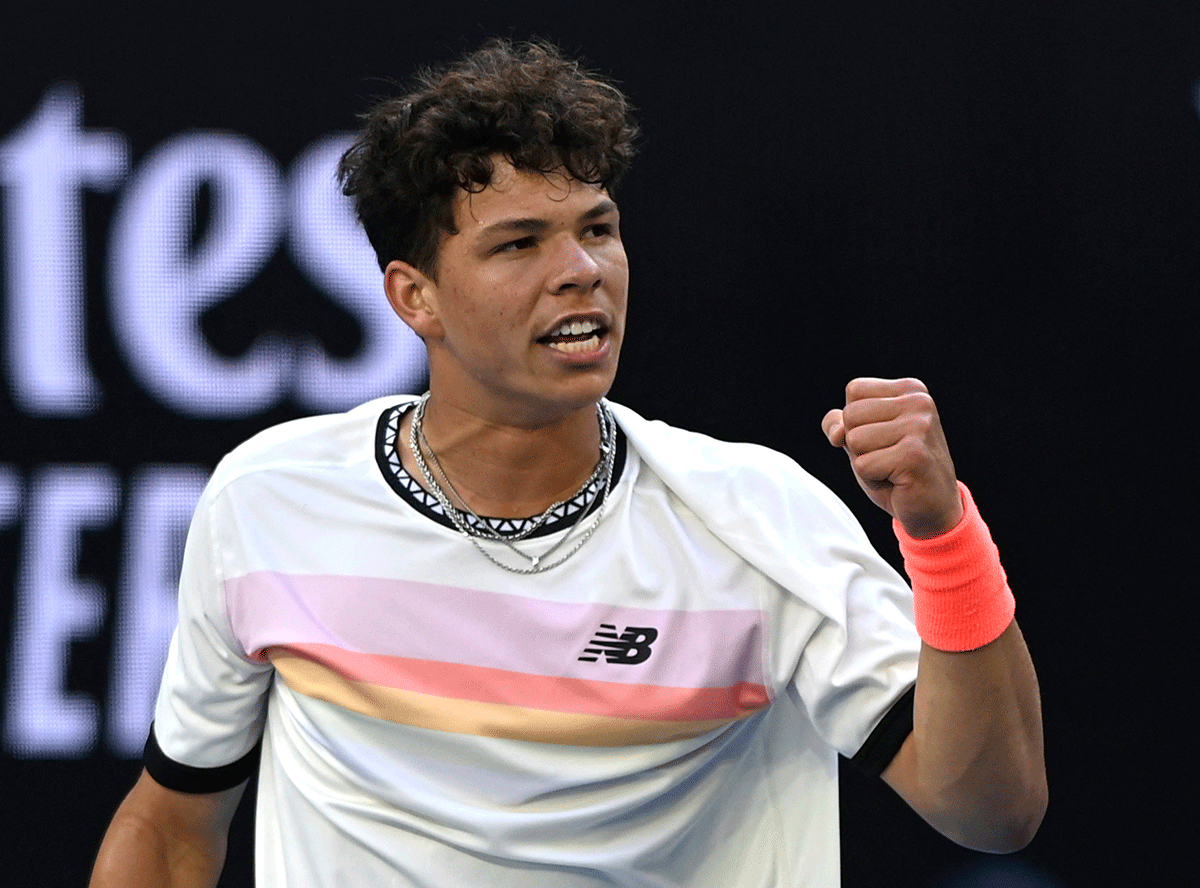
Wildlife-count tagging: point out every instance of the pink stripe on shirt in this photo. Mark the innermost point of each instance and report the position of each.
(516, 634)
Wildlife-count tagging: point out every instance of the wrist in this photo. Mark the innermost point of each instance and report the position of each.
(961, 598)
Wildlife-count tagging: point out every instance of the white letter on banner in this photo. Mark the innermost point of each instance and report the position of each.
(332, 250)
(54, 607)
(161, 500)
(44, 167)
(161, 284)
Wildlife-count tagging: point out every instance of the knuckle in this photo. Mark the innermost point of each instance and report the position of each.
(920, 403)
(858, 441)
(921, 422)
(924, 399)
(912, 454)
(862, 387)
(869, 468)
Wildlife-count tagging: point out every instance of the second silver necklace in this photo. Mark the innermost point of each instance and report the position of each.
(483, 530)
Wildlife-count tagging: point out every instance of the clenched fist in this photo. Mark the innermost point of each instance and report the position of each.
(890, 429)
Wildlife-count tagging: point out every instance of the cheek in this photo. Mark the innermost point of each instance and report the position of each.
(479, 328)
(617, 274)
(617, 262)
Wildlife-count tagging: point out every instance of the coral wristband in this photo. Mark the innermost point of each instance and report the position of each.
(961, 597)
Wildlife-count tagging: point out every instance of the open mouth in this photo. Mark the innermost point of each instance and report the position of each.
(575, 336)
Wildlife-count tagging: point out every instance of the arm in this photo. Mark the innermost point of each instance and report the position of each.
(973, 766)
(160, 838)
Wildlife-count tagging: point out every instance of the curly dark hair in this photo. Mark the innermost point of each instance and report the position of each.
(524, 102)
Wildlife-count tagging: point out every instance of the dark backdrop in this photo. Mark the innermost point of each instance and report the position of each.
(1000, 198)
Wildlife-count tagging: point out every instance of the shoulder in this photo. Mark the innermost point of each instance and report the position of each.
(740, 469)
(312, 441)
(766, 508)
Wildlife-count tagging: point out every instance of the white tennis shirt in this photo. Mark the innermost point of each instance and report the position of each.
(663, 709)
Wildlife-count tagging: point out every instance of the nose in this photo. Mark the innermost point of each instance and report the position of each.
(575, 269)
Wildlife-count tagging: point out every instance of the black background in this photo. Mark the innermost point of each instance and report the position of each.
(1000, 198)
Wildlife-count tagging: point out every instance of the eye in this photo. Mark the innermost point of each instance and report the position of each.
(512, 246)
(600, 229)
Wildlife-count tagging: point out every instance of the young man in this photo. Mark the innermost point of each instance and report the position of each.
(511, 634)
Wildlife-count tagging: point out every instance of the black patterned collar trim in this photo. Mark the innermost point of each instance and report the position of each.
(388, 458)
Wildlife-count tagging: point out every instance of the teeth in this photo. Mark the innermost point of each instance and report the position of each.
(578, 345)
(576, 328)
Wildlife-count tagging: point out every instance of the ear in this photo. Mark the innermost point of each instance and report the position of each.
(413, 296)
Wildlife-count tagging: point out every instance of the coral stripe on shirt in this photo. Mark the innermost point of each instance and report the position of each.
(486, 685)
(503, 720)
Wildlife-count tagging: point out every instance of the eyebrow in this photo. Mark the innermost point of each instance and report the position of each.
(533, 225)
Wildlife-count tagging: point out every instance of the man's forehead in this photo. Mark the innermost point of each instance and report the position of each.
(515, 194)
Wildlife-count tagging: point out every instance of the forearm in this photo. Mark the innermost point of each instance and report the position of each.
(160, 838)
(137, 854)
(973, 766)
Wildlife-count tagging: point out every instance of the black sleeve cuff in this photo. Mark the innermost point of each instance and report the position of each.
(185, 778)
(887, 738)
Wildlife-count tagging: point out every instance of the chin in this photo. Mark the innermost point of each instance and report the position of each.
(581, 395)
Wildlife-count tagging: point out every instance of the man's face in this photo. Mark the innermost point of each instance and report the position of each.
(530, 298)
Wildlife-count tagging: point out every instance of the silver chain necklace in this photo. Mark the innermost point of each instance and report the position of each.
(482, 530)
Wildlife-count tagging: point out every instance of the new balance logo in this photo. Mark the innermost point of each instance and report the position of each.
(629, 647)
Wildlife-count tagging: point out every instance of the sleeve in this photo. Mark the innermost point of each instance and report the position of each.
(856, 650)
(211, 706)
(889, 735)
(843, 639)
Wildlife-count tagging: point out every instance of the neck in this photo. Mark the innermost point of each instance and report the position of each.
(502, 470)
